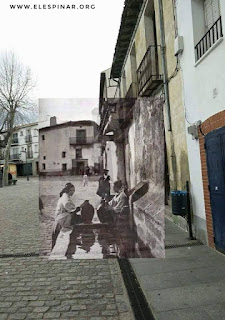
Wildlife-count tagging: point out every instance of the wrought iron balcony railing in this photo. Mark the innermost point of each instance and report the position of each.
(126, 112)
(148, 72)
(15, 156)
(28, 138)
(81, 140)
(208, 40)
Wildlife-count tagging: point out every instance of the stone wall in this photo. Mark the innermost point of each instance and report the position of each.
(148, 135)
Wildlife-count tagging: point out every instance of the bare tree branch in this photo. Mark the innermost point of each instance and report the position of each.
(16, 106)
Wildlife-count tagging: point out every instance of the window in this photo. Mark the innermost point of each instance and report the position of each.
(43, 166)
(44, 157)
(78, 153)
(15, 138)
(36, 148)
(22, 148)
(35, 132)
(63, 154)
(15, 151)
(207, 25)
(21, 133)
(43, 137)
(81, 136)
(64, 167)
(212, 12)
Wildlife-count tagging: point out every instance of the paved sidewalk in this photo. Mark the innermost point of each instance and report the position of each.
(19, 217)
(189, 284)
(37, 288)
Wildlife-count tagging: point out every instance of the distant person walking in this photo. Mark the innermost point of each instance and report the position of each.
(10, 178)
(85, 180)
(1, 177)
(87, 170)
(41, 206)
(104, 185)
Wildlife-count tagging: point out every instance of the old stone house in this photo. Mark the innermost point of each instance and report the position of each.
(69, 147)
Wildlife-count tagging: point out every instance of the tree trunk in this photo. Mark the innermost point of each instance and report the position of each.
(6, 165)
(7, 151)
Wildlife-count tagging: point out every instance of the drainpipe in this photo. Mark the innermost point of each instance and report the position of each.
(164, 67)
(166, 89)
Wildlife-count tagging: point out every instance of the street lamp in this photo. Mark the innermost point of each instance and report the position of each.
(26, 163)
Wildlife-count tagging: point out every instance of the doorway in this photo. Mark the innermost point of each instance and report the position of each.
(215, 155)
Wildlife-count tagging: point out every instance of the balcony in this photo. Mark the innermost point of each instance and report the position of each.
(81, 140)
(15, 156)
(211, 36)
(28, 139)
(15, 141)
(132, 91)
(29, 154)
(148, 76)
(126, 112)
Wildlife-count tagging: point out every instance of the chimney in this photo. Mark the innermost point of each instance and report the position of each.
(53, 121)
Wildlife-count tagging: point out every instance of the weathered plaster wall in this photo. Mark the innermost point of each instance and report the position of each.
(149, 165)
(178, 134)
(176, 141)
(141, 43)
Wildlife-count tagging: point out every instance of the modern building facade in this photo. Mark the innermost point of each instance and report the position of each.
(69, 147)
(201, 26)
(24, 151)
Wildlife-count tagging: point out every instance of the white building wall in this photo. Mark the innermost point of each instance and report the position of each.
(131, 138)
(111, 164)
(199, 81)
(57, 141)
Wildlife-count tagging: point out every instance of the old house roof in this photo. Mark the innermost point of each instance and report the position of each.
(128, 22)
(71, 124)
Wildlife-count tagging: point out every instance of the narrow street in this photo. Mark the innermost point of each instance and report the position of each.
(36, 288)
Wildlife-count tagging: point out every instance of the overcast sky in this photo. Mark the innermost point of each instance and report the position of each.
(66, 49)
(66, 110)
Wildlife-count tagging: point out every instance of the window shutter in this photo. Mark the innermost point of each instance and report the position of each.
(208, 14)
(215, 10)
(212, 12)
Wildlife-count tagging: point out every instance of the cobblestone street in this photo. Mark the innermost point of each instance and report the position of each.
(37, 288)
(19, 222)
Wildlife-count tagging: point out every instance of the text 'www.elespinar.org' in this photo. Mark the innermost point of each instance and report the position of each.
(52, 6)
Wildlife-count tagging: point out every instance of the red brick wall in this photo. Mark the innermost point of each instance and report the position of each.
(212, 123)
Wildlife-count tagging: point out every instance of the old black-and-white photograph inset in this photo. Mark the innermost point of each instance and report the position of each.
(101, 178)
